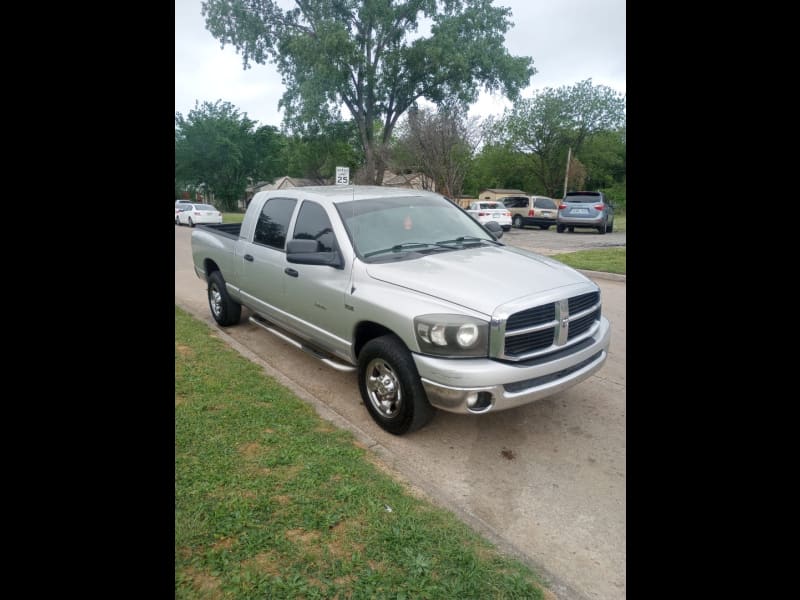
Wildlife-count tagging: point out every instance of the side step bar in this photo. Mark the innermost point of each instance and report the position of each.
(334, 364)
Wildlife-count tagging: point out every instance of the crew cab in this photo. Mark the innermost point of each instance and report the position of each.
(402, 286)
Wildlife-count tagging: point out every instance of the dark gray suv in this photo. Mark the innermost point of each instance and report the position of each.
(585, 209)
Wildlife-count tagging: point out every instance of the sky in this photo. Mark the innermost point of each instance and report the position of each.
(569, 41)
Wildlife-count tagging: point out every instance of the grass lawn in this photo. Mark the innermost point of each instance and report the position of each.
(271, 501)
(232, 217)
(608, 260)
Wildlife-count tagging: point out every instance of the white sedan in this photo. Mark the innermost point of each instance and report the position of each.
(485, 211)
(192, 214)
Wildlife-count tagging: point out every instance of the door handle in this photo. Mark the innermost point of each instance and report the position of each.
(248, 257)
(291, 272)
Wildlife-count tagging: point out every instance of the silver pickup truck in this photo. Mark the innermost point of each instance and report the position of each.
(409, 290)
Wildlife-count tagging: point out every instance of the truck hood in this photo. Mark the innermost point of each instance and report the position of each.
(478, 278)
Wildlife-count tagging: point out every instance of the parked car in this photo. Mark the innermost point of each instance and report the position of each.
(489, 210)
(538, 211)
(193, 214)
(585, 209)
(180, 208)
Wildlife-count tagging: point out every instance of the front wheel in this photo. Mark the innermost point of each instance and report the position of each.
(191, 223)
(225, 310)
(390, 386)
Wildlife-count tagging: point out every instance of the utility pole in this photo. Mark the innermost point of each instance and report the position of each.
(566, 175)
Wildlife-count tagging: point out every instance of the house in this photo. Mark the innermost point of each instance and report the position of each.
(414, 181)
(496, 193)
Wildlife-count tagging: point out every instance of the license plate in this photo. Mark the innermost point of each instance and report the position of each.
(580, 211)
(547, 213)
(497, 215)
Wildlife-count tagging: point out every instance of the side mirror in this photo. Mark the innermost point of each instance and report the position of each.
(307, 252)
(494, 228)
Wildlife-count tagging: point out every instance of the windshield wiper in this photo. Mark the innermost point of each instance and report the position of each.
(408, 246)
(469, 240)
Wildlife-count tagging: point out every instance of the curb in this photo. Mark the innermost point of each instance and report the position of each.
(604, 275)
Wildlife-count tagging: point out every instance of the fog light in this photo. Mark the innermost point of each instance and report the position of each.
(479, 402)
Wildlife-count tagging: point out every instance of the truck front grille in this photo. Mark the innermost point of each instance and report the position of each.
(550, 327)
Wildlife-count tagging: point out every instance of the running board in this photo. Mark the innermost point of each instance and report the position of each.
(334, 364)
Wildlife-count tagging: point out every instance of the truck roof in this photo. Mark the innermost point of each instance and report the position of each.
(345, 193)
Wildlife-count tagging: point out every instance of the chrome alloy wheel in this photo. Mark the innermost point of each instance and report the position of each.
(215, 300)
(383, 388)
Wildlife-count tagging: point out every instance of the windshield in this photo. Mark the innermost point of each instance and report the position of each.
(406, 227)
(204, 207)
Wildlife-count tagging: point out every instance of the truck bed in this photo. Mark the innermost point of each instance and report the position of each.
(230, 230)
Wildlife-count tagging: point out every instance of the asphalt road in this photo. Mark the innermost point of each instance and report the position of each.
(544, 482)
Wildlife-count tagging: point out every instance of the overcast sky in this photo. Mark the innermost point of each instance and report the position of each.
(569, 41)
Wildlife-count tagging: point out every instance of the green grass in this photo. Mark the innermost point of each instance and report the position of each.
(619, 222)
(608, 260)
(232, 217)
(271, 501)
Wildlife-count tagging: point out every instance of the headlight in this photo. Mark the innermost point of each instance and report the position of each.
(452, 335)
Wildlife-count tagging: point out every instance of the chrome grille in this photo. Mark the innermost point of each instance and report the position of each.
(582, 302)
(554, 326)
(578, 326)
(532, 316)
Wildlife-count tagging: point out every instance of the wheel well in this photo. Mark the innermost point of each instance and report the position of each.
(367, 331)
(210, 266)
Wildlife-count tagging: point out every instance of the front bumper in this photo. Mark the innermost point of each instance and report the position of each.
(480, 385)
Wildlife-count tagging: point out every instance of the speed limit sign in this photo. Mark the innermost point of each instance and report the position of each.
(342, 175)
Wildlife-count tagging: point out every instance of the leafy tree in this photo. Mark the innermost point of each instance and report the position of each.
(554, 120)
(440, 145)
(369, 56)
(216, 148)
(316, 153)
(499, 166)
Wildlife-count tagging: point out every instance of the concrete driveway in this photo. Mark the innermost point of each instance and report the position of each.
(544, 482)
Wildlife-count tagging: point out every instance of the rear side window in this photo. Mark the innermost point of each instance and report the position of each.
(544, 203)
(516, 202)
(273, 222)
(313, 224)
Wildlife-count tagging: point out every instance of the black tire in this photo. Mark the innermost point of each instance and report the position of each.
(602, 229)
(390, 386)
(177, 222)
(559, 229)
(610, 227)
(517, 222)
(571, 229)
(544, 227)
(191, 223)
(224, 309)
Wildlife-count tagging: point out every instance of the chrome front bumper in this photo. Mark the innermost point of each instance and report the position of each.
(475, 386)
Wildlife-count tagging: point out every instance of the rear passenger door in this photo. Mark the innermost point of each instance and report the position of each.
(264, 258)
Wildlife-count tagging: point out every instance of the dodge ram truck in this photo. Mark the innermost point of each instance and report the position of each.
(405, 288)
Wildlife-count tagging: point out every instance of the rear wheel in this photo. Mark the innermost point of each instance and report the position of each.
(559, 229)
(517, 222)
(177, 221)
(224, 309)
(602, 229)
(390, 386)
(571, 229)
(544, 227)
(610, 227)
